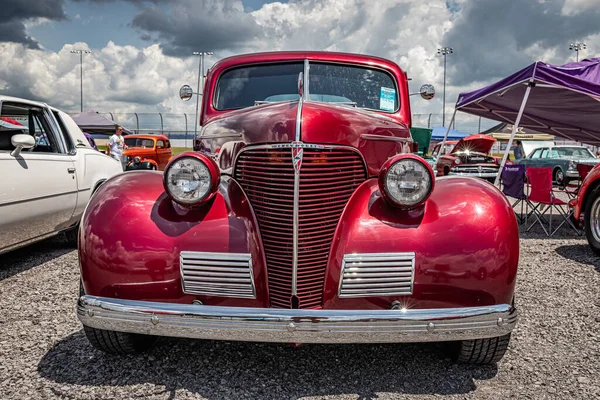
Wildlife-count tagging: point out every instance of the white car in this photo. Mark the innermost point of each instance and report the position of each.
(49, 172)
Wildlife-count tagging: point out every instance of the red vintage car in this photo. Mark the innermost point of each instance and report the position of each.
(586, 207)
(468, 157)
(303, 218)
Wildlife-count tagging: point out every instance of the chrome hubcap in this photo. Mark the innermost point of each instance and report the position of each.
(559, 176)
(595, 219)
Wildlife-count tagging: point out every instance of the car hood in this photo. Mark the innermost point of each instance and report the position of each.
(376, 136)
(474, 143)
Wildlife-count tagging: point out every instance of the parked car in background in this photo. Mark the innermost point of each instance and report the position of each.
(468, 157)
(151, 152)
(49, 172)
(562, 159)
(303, 219)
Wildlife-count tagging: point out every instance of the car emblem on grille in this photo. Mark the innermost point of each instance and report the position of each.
(479, 169)
(297, 153)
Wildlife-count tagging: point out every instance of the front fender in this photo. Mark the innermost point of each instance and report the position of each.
(589, 183)
(465, 240)
(132, 233)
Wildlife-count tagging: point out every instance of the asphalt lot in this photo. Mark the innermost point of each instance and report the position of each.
(554, 352)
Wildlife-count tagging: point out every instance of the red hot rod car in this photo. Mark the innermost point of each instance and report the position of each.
(303, 218)
(469, 157)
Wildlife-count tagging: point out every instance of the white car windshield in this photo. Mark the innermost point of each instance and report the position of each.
(332, 83)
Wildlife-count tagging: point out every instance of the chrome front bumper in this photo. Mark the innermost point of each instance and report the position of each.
(475, 174)
(294, 325)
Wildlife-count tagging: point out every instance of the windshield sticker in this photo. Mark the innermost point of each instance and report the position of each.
(387, 99)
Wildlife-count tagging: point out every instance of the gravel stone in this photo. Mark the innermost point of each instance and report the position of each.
(554, 352)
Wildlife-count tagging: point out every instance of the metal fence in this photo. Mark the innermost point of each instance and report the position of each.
(462, 122)
(179, 127)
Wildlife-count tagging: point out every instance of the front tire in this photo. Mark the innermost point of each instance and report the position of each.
(592, 220)
(559, 177)
(119, 343)
(480, 351)
(113, 342)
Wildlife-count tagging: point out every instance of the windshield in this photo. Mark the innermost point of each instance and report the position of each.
(137, 142)
(447, 148)
(332, 83)
(576, 152)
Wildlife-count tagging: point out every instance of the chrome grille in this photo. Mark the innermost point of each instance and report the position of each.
(385, 274)
(328, 178)
(217, 274)
(476, 169)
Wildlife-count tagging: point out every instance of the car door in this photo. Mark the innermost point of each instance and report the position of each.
(161, 152)
(534, 159)
(39, 189)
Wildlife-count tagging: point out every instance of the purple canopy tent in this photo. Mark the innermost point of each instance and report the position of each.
(92, 122)
(560, 100)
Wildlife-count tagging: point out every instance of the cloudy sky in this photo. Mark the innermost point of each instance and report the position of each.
(141, 49)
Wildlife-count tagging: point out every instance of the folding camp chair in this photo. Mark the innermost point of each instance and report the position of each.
(573, 188)
(513, 181)
(542, 193)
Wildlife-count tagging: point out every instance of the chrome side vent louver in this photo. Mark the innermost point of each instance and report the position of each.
(384, 274)
(217, 274)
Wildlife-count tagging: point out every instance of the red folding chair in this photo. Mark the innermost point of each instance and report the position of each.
(542, 193)
(572, 189)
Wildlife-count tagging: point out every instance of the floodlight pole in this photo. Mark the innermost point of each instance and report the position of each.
(200, 76)
(577, 46)
(444, 51)
(80, 52)
(530, 84)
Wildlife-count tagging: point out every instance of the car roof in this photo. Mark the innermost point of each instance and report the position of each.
(138, 136)
(21, 100)
(332, 56)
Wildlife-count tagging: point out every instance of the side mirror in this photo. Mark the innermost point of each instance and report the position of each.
(20, 142)
(427, 91)
(186, 92)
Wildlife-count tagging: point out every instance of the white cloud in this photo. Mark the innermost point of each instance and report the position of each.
(116, 78)
(573, 7)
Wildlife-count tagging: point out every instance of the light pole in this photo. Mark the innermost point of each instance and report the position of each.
(577, 46)
(200, 75)
(80, 52)
(444, 51)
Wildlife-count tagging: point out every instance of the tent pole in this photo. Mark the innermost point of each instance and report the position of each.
(514, 130)
(444, 141)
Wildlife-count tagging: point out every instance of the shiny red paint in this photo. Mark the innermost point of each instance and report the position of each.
(130, 239)
(466, 241)
(383, 176)
(591, 181)
(465, 235)
(213, 169)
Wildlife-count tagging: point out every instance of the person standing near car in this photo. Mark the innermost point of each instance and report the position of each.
(519, 151)
(116, 144)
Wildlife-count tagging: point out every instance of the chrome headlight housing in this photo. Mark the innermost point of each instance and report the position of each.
(572, 166)
(191, 179)
(406, 181)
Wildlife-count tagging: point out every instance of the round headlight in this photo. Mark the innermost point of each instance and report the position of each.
(136, 159)
(406, 181)
(190, 180)
(457, 161)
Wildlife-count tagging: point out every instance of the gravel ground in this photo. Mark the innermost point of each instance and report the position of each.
(554, 353)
